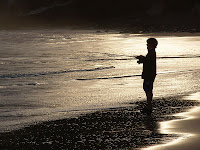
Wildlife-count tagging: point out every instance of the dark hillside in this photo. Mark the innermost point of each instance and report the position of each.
(105, 13)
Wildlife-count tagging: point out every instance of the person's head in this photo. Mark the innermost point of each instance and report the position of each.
(151, 43)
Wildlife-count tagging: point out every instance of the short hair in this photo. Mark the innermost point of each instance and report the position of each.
(152, 41)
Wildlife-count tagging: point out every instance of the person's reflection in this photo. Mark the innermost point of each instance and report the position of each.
(151, 124)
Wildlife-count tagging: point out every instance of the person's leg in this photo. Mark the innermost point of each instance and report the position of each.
(148, 88)
(149, 95)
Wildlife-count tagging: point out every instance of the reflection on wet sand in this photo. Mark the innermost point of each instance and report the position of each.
(187, 128)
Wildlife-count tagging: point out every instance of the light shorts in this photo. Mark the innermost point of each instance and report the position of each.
(148, 85)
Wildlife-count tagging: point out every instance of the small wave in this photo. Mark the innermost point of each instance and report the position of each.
(108, 59)
(52, 73)
(113, 77)
(28, 84)
(178, 57)
(135, 75)
(133, 57)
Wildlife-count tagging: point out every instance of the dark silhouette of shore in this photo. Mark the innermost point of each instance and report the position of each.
(126, 16)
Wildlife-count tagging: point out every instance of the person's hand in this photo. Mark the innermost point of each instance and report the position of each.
(139, 57)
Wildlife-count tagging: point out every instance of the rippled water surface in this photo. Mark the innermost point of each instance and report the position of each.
(54, 74)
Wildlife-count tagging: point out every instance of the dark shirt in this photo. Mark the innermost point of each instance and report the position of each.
(149, 65)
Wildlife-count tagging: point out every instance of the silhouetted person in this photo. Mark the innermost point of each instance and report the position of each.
(149, 71)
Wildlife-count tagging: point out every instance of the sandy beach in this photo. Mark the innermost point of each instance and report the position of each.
(117, 128)
(188, 129)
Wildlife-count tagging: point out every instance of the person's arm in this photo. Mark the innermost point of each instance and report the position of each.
(141, 59)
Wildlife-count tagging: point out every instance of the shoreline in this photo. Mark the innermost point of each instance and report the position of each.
(187, 128)
(108, 31)
(107, 129)
(131, 27)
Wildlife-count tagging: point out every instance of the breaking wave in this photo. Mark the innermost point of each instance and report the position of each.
(52, 73)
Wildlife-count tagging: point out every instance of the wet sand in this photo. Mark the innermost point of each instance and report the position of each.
(188, 129)
(117, 128)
